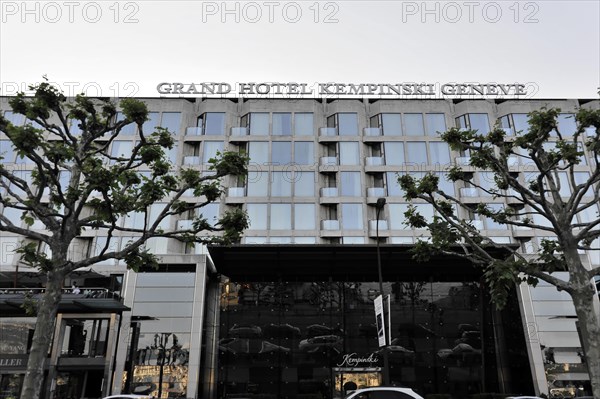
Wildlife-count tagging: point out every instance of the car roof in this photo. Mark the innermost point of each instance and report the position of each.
(383, 388)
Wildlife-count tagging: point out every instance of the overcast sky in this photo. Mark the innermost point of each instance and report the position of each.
(128, 47)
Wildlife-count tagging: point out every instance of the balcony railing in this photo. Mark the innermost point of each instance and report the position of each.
(191, 160)
(239, 131)
(328, 131)
(374, 161)
(329, 192)
(185, 224)
(330, 224)
(383, 225)
(463, 161)
(372, 131)
(469, 192)
(236, 191)
(193, 131)
(328, 161)
(376, 192)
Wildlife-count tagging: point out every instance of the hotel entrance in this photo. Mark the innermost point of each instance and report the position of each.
(351, 379)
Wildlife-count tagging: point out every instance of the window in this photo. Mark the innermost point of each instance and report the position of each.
(259, 123)
(394, 153)
(210, 150)
(171, 121)
(350, 184)
(393, 187)
(282, 124)
(258, 184)
(304, 217)
(121, 149)
(7, 152)
(258, 152)
(15, 119)
(210, 212)
(566, 124)
(281, 153)
(304, 184)
(281, 184)
(150, 125)
(439, 153)
(396, 215)
(281, 217)
(436, 124)
(128, 129)
(444, 183)
(352, 216)
(416, 152)
(413, 125)
(349, 154)
(304, 153)
(214, 123)
(489, 223)
(392, 124)
(134, 220)
(257, 215)
(347, 124)
(479, 122)
(303, 124)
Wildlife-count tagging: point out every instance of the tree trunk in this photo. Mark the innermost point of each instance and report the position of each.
(42, 337)
(589, 328)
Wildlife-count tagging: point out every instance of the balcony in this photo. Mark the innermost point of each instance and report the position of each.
(235, 195)
(522, 231)
(512, 161)
(375, 192)
(372, 132)
(193, 131)
(469, 192)
(383, 228)
(463, 161)
(330, 228)
(191, 160)
(239, 131)
(329, 192)
(186, 224)
(374, 161)
(328, 132)
(328, 161)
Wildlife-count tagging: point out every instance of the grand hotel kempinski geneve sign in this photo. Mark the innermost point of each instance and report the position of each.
(336, 90)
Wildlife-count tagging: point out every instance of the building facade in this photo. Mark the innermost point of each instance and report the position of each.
(289, 312)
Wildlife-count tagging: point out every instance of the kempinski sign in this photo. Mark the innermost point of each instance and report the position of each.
(337, 90)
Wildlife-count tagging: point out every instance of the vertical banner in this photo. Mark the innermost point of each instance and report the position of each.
(380, 319)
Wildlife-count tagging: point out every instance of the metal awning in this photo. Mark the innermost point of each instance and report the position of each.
(12, 305)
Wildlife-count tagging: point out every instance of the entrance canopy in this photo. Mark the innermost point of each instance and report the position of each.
(262, 262)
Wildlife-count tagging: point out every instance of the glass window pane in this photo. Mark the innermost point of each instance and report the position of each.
(347, 124)
(281, 185)
(210, 150)
(393, 187)
(150, 125)
(489, 223)
(303, 124)
(281, 217)
(444, 184)
(257, 215)
(214, 123)
(210, 212)
(394, 153)
(7, 153)
(305, 240)
(304, 217)
(258, 152)
(566, 124)
(130, 128)
(392, 124)
(257, 184)
(349, 154)
(171, 121)
(121, 149)
(352, 217)
(304, 184)
(259, 123)
(134, 220)
(413, 124)
(15, 119)
(304, 153)
(282, 124)
(439, 153)
(520, 123)
(426, 210)
(416, 152)
(281, 153)
(480, 122)
(350, 182)
(436, 124)
(396, 214)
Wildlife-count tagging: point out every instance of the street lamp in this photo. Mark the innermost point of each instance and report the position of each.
(386, 367)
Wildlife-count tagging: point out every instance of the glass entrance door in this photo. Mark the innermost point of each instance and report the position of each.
(350, 380)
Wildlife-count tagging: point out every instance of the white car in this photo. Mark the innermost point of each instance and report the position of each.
(384, 393)
(128, 396)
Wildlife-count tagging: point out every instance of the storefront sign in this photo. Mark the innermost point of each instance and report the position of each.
(15, 361)
(354, 360)
(338, 90)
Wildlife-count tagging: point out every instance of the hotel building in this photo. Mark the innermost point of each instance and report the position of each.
(288, 313)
